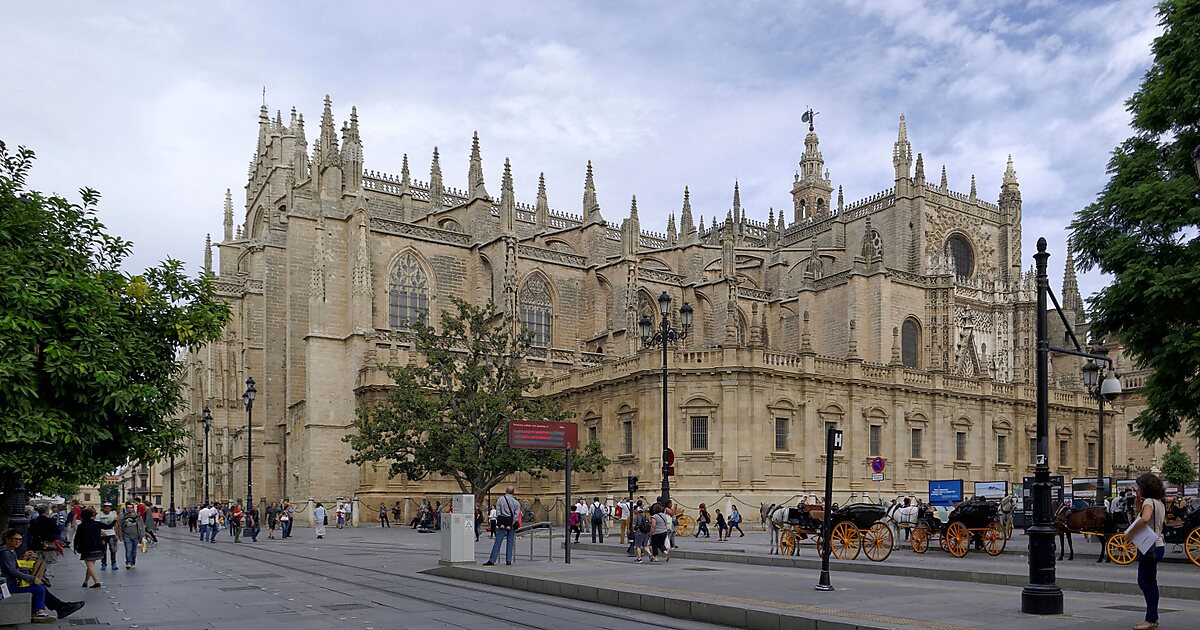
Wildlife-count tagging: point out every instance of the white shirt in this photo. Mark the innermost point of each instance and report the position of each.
(205, 515)
(624, 508)
(581, 508)
(597, 504)
(319, 514)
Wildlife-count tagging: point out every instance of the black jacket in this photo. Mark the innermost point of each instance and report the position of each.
(42, 528)
(87, 538)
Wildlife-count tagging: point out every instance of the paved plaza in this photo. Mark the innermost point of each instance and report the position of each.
(372, 578)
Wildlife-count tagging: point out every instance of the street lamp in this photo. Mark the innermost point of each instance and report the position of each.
(665, 336)
(171, 515)
(248, 400)
(206, 419)
(1104, 386)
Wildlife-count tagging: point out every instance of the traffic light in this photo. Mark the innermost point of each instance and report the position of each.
(633, 484)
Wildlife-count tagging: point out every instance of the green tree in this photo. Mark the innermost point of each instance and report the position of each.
(88, 353)
(1177, 465)
(109, 493)
(1142, 230)
(448, 413)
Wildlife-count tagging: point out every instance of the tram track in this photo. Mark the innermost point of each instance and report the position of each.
(643, 619)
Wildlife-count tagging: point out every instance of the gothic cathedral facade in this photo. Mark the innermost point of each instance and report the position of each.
(905, 319)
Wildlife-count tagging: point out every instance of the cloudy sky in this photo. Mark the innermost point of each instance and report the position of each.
(156, 104)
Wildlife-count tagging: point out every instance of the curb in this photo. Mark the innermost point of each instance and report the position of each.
(882, 568)
(712, 612)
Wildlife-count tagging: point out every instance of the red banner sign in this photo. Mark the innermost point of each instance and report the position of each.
(536, 434)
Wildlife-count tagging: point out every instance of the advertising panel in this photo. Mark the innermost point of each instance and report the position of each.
(945, 492)
(1056, 495)
(991, 489)
(1085, 488)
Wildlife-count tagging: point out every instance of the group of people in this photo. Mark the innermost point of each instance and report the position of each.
(210, 518)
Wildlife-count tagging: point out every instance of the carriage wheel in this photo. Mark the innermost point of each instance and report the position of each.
(957, 539)
(686, 525)
(919, 539)
(1192, 546)
(846, 541)
(816, 538)
(1121, 549)
(877, 541)
(787, 543)
(994, 539)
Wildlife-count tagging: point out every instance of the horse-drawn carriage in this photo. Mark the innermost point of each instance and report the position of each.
(858, 527)
(1181, 527)
(986, 523)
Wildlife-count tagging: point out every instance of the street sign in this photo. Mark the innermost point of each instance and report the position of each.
(536, 434)
(670, 457)
(877, 466)
(876, 476)
(670, 471)
(837, 439)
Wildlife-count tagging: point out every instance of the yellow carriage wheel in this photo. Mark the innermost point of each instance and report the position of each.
(994, 539)
(787, 543)
(956, 539)
(686, 525)
(846, 541)
(877, 542)
(1121, 549)
(919, 539)
(1192, 546)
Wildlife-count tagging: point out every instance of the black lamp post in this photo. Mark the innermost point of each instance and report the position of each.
(1104, 386)
(665, 336)
(248, 400)
(206, 418)
(16, 512)
(171, 515)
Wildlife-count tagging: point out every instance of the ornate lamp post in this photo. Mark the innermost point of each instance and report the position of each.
(206, 418)
(665, 336)
(248, 400)
(1104, 389)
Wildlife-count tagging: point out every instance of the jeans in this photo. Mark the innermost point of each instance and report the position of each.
(597, 529)
(109, 549)
(254, 533)
(131, 549)
(287, 528)
(203, 532)
(1148, 580)
(502, 535)
(41, 597)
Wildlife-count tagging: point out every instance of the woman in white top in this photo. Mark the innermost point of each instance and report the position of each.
(1152, 513)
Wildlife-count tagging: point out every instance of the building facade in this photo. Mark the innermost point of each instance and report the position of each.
(905, 318)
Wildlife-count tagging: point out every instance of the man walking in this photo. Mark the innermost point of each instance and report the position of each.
(43, 538)
(131, 529)
(507, 509)
(599, 511)
(108, 536)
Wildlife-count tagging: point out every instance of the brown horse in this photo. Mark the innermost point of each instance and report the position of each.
(1093, 520)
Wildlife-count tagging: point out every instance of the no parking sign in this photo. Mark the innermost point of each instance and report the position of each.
(877, 466)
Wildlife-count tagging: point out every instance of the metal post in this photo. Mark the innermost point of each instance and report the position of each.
(206, 463)
(1100, 454)
(1042, 596)
(567, 514)
(249, 454)
(824, 584)
(666, 483)
(16, 513)
(171, 516)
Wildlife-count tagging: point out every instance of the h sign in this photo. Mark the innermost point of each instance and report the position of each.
(837, 439)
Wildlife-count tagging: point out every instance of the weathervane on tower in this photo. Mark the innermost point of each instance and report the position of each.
(809, 117)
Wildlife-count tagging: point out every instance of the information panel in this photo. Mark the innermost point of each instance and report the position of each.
(991, 489)
(537, 434)
(945, 492)
(1056, 495)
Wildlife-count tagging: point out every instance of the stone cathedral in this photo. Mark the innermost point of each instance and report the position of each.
(905, 318)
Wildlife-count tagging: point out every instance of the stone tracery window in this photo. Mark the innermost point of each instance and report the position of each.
(910, 343)
(962, 255)
(408, 293)
(537, 310)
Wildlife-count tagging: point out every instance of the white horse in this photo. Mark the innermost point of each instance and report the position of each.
(776, 517)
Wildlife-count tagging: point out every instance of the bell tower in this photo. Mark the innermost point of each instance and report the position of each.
(811, 188)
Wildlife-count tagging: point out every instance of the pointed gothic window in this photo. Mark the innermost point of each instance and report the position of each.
(408, 293)
(910, 342)
(536, 310)
(962, 255)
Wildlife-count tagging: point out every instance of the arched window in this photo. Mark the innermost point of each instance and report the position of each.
(536, 310)
(962, 254)
(910, 343)
(408, 293)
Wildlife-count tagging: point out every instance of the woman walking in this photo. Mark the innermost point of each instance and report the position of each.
(1151, 514)
(722, 529)
(735, 522)
(641, 533)
(658, 536)
(702, 522)
(89, 546)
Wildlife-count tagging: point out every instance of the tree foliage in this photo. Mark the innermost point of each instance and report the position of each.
(1177, 465)
(88, 353)
(448, 413)
(109, 493)
(1143, 231)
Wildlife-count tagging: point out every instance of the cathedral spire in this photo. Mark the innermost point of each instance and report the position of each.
(352, 153)
(973, 195)
(672, 235)
(841, 200)
(264, 128)
(1072, 301)
(405, 180)
(633, 214)
(701, 229)
(902, 151)
(435, 183)
(1010, 175)
(228, 215)
(327, 143)
(508, 201)
(591, 207)
(208, 253)
(919, 175)
(542, 211)
(772, 235)
(687, 226)
(475, 188)
(944, 185)
(737, 202)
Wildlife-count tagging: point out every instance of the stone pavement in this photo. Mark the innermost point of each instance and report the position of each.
(372, 578)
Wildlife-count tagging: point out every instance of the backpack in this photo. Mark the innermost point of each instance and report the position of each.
(642, 525)
(619, 511)
(597, 512)
(129, 520)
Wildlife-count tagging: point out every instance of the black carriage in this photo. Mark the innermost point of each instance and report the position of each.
(858, 527)
(975, 520)
(1185, 532)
